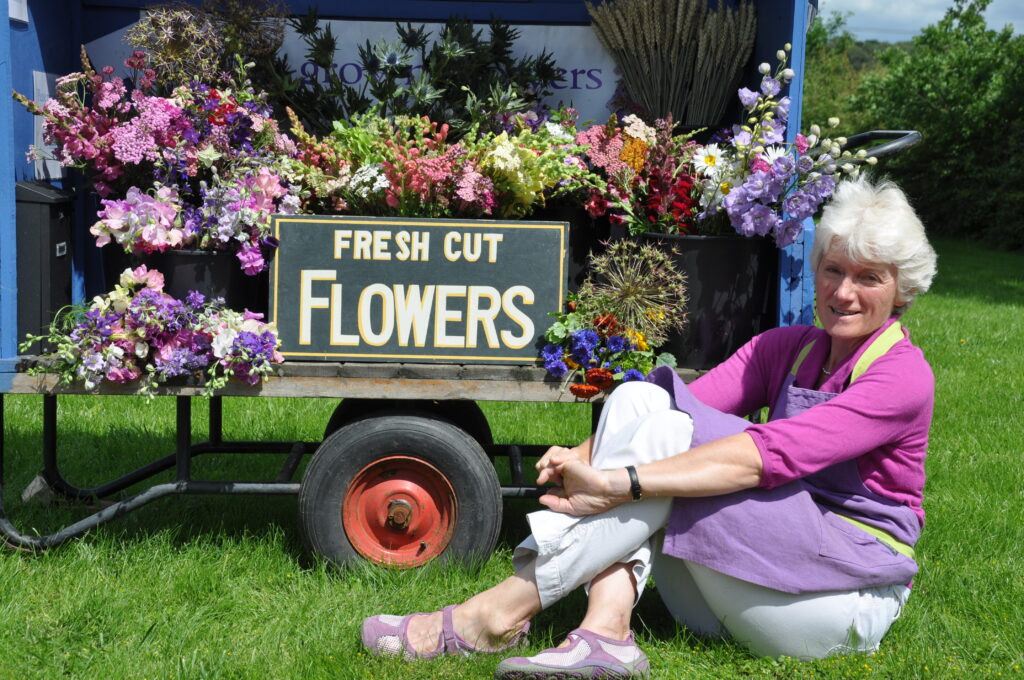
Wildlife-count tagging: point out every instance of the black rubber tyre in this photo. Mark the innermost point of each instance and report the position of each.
(400, 489)
(465, 414)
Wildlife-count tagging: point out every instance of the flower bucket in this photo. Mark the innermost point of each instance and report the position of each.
(731, 284)
(214, 273)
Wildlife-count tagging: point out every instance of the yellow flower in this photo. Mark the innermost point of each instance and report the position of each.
(634, 153)
(654, 314)
(638, 339)
(725, 187)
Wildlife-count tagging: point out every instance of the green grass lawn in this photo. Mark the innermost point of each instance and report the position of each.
(208, 587)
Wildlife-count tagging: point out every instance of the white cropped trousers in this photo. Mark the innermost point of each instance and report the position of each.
(639, 425)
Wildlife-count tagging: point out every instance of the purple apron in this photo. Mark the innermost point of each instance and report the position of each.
(790, 538)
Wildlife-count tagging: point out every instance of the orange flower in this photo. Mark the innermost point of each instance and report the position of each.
(606, 324)
(601, 378)
(634, 153)
(584, 391)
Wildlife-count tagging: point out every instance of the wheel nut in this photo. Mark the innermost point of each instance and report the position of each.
(399, 514)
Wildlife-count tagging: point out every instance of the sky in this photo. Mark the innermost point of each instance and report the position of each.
(897, 20)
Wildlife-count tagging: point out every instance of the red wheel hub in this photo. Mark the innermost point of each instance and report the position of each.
(399, 511)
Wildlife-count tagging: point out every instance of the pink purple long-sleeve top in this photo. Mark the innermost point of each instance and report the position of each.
(881, 420)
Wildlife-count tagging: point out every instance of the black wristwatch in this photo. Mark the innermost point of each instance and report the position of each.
(634, 483)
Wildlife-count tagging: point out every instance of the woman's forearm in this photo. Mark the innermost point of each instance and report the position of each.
(719, 467)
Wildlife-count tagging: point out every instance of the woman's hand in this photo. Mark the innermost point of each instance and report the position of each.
(585, 490)
(549, 464)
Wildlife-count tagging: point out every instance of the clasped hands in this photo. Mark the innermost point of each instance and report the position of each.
(579, 488)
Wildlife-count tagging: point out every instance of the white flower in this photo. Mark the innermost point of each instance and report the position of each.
(557, 131)
(773, 153)
(788, 75)
(780, 55)
(764, 68)
(636, 128)
(223, 341)
(833, 121)
(141, 350)
(708, 161)
(815, 130)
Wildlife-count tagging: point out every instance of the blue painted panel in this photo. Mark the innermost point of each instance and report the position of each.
(8, 246)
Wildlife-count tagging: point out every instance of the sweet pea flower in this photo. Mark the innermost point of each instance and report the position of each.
(801, 143)
(748, 97)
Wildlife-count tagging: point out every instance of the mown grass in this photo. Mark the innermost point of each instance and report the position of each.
(210, 587)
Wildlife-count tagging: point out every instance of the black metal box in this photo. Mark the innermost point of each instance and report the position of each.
(44, 217)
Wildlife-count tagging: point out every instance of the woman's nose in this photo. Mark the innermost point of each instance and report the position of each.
(845, 289)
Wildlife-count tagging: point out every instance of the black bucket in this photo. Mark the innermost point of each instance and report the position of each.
(214, 273)
(732, 286)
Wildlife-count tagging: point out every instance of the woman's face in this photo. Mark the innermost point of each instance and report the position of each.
(854, 298)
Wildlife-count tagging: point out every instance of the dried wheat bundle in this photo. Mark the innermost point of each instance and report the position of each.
(677, 56)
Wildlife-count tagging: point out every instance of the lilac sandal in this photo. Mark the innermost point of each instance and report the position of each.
(588, 655)
(386, 635)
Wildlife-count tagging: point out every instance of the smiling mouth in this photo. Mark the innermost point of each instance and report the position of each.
(838, 312)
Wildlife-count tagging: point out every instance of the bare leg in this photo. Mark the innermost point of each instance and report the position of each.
(610, 604)
(488, 620)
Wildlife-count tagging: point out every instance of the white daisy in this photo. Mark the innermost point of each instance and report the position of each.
(708, 161)
(774, 152)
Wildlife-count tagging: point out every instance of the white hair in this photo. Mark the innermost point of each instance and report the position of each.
(875, 223)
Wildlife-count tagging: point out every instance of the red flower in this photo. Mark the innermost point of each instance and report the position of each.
(606, 324)
(601, 378)
(584, 391)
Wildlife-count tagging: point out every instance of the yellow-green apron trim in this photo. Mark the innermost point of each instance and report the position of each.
(882, 344)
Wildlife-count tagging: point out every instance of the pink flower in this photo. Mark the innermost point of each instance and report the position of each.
(760, 165)
(801, 143)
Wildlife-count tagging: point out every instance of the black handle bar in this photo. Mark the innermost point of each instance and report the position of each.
(899, 140)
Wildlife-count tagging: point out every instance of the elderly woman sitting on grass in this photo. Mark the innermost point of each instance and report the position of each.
(794, 537)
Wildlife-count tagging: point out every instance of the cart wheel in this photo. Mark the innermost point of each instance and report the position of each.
(400, 490)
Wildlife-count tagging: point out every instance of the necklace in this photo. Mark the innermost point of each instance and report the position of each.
(826, 371)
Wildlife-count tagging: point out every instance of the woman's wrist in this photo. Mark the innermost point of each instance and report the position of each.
(619, 485)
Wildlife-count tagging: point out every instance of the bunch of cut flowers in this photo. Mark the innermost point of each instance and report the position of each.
(746, 177)
(406, 166)
(138, 333)
(646, 179)
(198, 169)
(632, 298)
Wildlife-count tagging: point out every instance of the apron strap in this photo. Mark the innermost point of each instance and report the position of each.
(800, 358)
(882, 344)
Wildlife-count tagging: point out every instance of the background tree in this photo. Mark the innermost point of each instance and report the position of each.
(960, 84)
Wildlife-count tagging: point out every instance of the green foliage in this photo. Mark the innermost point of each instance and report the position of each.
(960, 86)
(464, 77)
(832, 75)
(217, 587)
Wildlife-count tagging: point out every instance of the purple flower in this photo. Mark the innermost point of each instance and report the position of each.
(757, 219)
(756, 185)
(799, 205)
(195, 299)
(805, 164)
(783, 166)
(631, 375)
(788, 232)
(556, 367)
(583, 344)
(782, 109)
(551, 352)
(251, 258)
(822, 187)
(773, 132)
(748, 97)
(770, 86)
(617, 343)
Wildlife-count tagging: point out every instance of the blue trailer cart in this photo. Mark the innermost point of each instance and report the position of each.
(405, 471)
